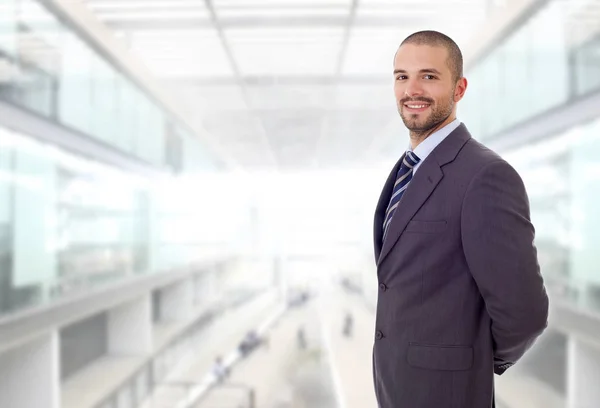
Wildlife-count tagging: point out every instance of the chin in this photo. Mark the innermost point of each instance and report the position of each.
(414, 124)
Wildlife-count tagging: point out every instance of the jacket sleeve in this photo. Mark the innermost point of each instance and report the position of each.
(498, 243)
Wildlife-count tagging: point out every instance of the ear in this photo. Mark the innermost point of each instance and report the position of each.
(460, 88)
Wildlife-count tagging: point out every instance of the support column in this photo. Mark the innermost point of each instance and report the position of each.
(202, 287)
(130, 328)
(211, 284)
(34, 234)
(176, 301)
(279, 272)
(29, 375)
(583, 375)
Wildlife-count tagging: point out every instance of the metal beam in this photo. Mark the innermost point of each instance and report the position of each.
(46, 130)
(346, 39)
(285, 80)
(559, 119)
(325, 125)
(254, 6)
(265, 22)
(85, 24)
(237, 74)
(20, 327)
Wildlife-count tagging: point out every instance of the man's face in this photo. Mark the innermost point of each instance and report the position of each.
(425, 87)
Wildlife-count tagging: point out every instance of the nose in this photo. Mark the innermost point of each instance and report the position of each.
(413, 89)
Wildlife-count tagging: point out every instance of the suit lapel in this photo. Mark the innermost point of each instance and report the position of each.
(420, 188)
(426, 179)
(384, 200)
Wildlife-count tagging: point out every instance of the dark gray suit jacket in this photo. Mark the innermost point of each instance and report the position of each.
(460, 292)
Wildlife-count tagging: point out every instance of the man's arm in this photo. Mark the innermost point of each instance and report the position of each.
(497, 237)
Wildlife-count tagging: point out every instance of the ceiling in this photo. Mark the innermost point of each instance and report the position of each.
(287, 84)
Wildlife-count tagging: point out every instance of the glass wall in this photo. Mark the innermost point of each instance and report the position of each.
(532, 70)
(529, 72)
(69, 224)
(562, 176)
(47, 68)
(586, 59)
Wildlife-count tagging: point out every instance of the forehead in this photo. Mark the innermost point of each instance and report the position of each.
(414, 57)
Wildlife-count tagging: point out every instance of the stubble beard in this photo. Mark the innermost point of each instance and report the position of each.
(421, 128)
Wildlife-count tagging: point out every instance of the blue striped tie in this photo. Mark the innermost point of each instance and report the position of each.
(403, 177)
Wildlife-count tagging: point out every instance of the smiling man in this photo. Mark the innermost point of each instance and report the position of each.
(460, 291)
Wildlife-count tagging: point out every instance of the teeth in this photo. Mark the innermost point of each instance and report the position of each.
(416, 106)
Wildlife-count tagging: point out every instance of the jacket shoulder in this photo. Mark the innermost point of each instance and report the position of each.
(477, 156)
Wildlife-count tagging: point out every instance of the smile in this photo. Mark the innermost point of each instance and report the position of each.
(416, 108)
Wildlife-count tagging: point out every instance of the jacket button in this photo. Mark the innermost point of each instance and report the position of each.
(382, 287)
(378, 335)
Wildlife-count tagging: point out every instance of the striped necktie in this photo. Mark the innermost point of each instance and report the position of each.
(403, 177)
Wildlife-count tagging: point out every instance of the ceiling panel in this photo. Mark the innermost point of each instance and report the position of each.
(582, 23)
(208, 98)
(279, 3)
(239, 132)
(137, 5)
(372, 46)
(234, 125)
(284, 101)
(285, 51)
(371, 50)
(304, 96)
(124, 10)
(149, 15)
(428, 4)
(297, 12)
(181, 53)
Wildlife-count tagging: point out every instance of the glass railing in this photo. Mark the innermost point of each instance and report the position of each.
(27, 85)
(562, 177)
(47, 68)
(69, 224)
(532, 70)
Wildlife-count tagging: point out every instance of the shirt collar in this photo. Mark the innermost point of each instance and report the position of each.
(426, 146)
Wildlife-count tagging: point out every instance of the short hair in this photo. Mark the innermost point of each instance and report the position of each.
(437, 39)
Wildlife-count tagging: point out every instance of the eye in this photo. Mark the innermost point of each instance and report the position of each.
(428, 76)
(400, 77)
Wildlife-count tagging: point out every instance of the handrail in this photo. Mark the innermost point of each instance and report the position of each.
(21, 326)
(210, 314)
(203, 388)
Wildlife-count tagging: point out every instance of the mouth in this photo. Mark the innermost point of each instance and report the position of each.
(416, 107)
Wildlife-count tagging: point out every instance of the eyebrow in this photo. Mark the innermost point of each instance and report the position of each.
(422, 71)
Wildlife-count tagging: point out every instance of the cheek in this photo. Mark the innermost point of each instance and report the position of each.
(398, 92)
(441, 98)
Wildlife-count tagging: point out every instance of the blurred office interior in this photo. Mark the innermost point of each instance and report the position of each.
(182, 180)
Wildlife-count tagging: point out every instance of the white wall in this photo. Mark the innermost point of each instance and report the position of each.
(130, 328)
(29, 375)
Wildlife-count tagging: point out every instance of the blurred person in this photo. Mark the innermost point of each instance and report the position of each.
(249, 343)
(460, 295)
(220, 371)
(301, 338)
(348, 324)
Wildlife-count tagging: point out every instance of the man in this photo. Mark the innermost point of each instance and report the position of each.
(460, 294)
(220, 371)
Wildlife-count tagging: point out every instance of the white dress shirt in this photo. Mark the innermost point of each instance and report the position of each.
(426, 146)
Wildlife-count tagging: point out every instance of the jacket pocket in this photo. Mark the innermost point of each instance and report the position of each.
(426, 227)
(440, 357)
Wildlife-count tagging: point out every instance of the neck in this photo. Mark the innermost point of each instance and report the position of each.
(416, 137)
